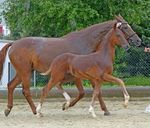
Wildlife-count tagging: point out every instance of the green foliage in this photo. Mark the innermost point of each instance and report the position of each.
(135, 63)
(47, 18)
(58, 17)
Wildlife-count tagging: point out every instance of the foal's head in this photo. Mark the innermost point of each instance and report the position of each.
(118, 38)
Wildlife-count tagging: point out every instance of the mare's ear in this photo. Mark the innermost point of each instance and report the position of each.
(119, 18)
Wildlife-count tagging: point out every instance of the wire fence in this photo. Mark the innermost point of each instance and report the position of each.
(132, 67)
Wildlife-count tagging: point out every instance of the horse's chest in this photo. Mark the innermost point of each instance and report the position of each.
(106, 67)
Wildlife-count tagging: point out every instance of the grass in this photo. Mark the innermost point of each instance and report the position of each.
(137, 81)
(132, 81)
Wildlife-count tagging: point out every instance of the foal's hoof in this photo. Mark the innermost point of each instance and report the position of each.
(107, 113)
(7, 111)
(65, 106)
(125, 105)
(39, 115)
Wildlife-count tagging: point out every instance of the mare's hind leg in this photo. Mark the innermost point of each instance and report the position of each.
(110, 78)
(11, 86)
(101, 101)
(26, 76)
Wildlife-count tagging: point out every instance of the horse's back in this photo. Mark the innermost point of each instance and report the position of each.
(36, 51)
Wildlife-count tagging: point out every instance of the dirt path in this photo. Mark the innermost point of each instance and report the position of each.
(77, 117)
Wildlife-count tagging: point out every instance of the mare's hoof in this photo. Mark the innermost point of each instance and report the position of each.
(7, 111)
(106, 113)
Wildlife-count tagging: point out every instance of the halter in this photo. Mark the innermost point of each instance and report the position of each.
(119, 25)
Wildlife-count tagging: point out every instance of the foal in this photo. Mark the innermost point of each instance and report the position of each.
(96, 67)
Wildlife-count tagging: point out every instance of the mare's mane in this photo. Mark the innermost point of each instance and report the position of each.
(92, 28)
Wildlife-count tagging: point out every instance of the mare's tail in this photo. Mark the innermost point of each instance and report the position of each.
(3, 53)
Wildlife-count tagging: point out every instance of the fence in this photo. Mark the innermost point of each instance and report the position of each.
(132, 67)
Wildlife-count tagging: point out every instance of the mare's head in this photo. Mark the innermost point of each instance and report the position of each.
(117, 37)
(130, 35)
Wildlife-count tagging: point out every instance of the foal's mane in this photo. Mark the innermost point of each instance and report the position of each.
(106, 37)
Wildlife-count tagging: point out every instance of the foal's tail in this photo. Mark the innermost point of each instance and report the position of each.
(3, 53)
(47, 72)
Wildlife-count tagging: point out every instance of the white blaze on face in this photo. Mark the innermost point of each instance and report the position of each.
(118, 24)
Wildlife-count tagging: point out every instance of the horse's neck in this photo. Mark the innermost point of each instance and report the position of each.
(96, 32)
(91, 36)
(107, 49)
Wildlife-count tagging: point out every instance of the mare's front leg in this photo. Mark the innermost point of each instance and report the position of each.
(101, 101)
(113, 79)
(11, 86)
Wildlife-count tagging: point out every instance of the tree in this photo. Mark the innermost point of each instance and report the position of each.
(56, 18)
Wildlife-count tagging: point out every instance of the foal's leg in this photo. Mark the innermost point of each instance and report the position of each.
(44, 94)
(11, 86)
(70, 103)
(81, 92)
(66, 95)
(110, 78)
(103, 106)
(95, 95)
(101, 101)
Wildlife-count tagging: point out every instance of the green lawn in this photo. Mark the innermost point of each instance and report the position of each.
(138, 80)
(132, 81)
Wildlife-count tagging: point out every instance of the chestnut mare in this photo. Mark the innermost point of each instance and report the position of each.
(96, 67)
(35, 53)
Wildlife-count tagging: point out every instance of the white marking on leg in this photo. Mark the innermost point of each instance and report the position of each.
(67, 97)
(127, 97)
(147, 109)
(91, 110)
(38, 110)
